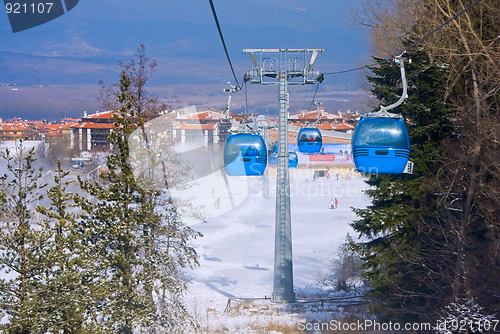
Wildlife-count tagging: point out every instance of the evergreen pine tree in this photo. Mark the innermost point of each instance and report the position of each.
(22, 242)
(453, 226)
(399, 252)
(139, 240)
(67, 299)
(468, 192)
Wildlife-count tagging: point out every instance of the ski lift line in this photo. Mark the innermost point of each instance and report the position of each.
(357, 68)
(441, 26)
(314, 96)
(223, 42)
(430, 33)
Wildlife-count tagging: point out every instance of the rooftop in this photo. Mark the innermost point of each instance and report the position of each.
(90, 125)
(313, 115)
(204, 115)
(100, 115)
(184, 126)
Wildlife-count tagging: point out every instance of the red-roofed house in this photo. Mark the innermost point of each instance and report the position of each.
(344, 127)
(14, 130)
(207, 127)
(310, 117)
(93, 132)
(57, 134)
(326, 122)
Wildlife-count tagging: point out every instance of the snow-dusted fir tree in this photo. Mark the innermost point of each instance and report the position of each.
(22, 242)
(465, 316)
(69, 282)
(140, 242)
(401, 254)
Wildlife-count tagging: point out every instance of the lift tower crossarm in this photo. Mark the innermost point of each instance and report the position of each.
(268, 62)
(283, 67)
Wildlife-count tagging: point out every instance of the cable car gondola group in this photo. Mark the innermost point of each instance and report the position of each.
(245, 154)
(380, 144)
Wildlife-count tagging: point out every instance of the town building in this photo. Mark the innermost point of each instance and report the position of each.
(58, 133)
(324, 121)
(207, 127)
(91, 134)
(15, 129)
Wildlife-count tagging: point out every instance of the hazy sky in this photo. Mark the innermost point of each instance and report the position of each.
(185, 30)
(84, 45)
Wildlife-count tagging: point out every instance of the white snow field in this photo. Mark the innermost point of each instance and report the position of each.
(236, 251)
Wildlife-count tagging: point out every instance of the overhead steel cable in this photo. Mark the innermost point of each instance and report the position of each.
(441, 26)
(314, 97)
(358, 68)
(223, 43)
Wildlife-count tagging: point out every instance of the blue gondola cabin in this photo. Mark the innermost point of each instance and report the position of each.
(309, 140)
(293, 160)
(380, 145)
(245, 154)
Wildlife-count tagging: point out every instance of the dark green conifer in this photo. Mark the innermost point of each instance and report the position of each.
(22, 242)
(399, 260)
(67, 298)
(140, 242)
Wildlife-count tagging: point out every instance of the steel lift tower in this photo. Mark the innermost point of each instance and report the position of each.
(284, 67)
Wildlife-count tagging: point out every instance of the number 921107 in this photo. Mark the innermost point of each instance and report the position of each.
(25, 8)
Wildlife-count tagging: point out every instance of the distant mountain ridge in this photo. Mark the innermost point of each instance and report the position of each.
(85, 45)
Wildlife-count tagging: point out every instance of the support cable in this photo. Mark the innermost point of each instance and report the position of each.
(314, 97)
(441, 26)
(223, 43)
(357, 68)
(246, 99)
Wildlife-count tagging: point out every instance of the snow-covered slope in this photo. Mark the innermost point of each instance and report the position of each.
(237, 249)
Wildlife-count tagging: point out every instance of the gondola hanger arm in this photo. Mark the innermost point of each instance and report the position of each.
(383, 112)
